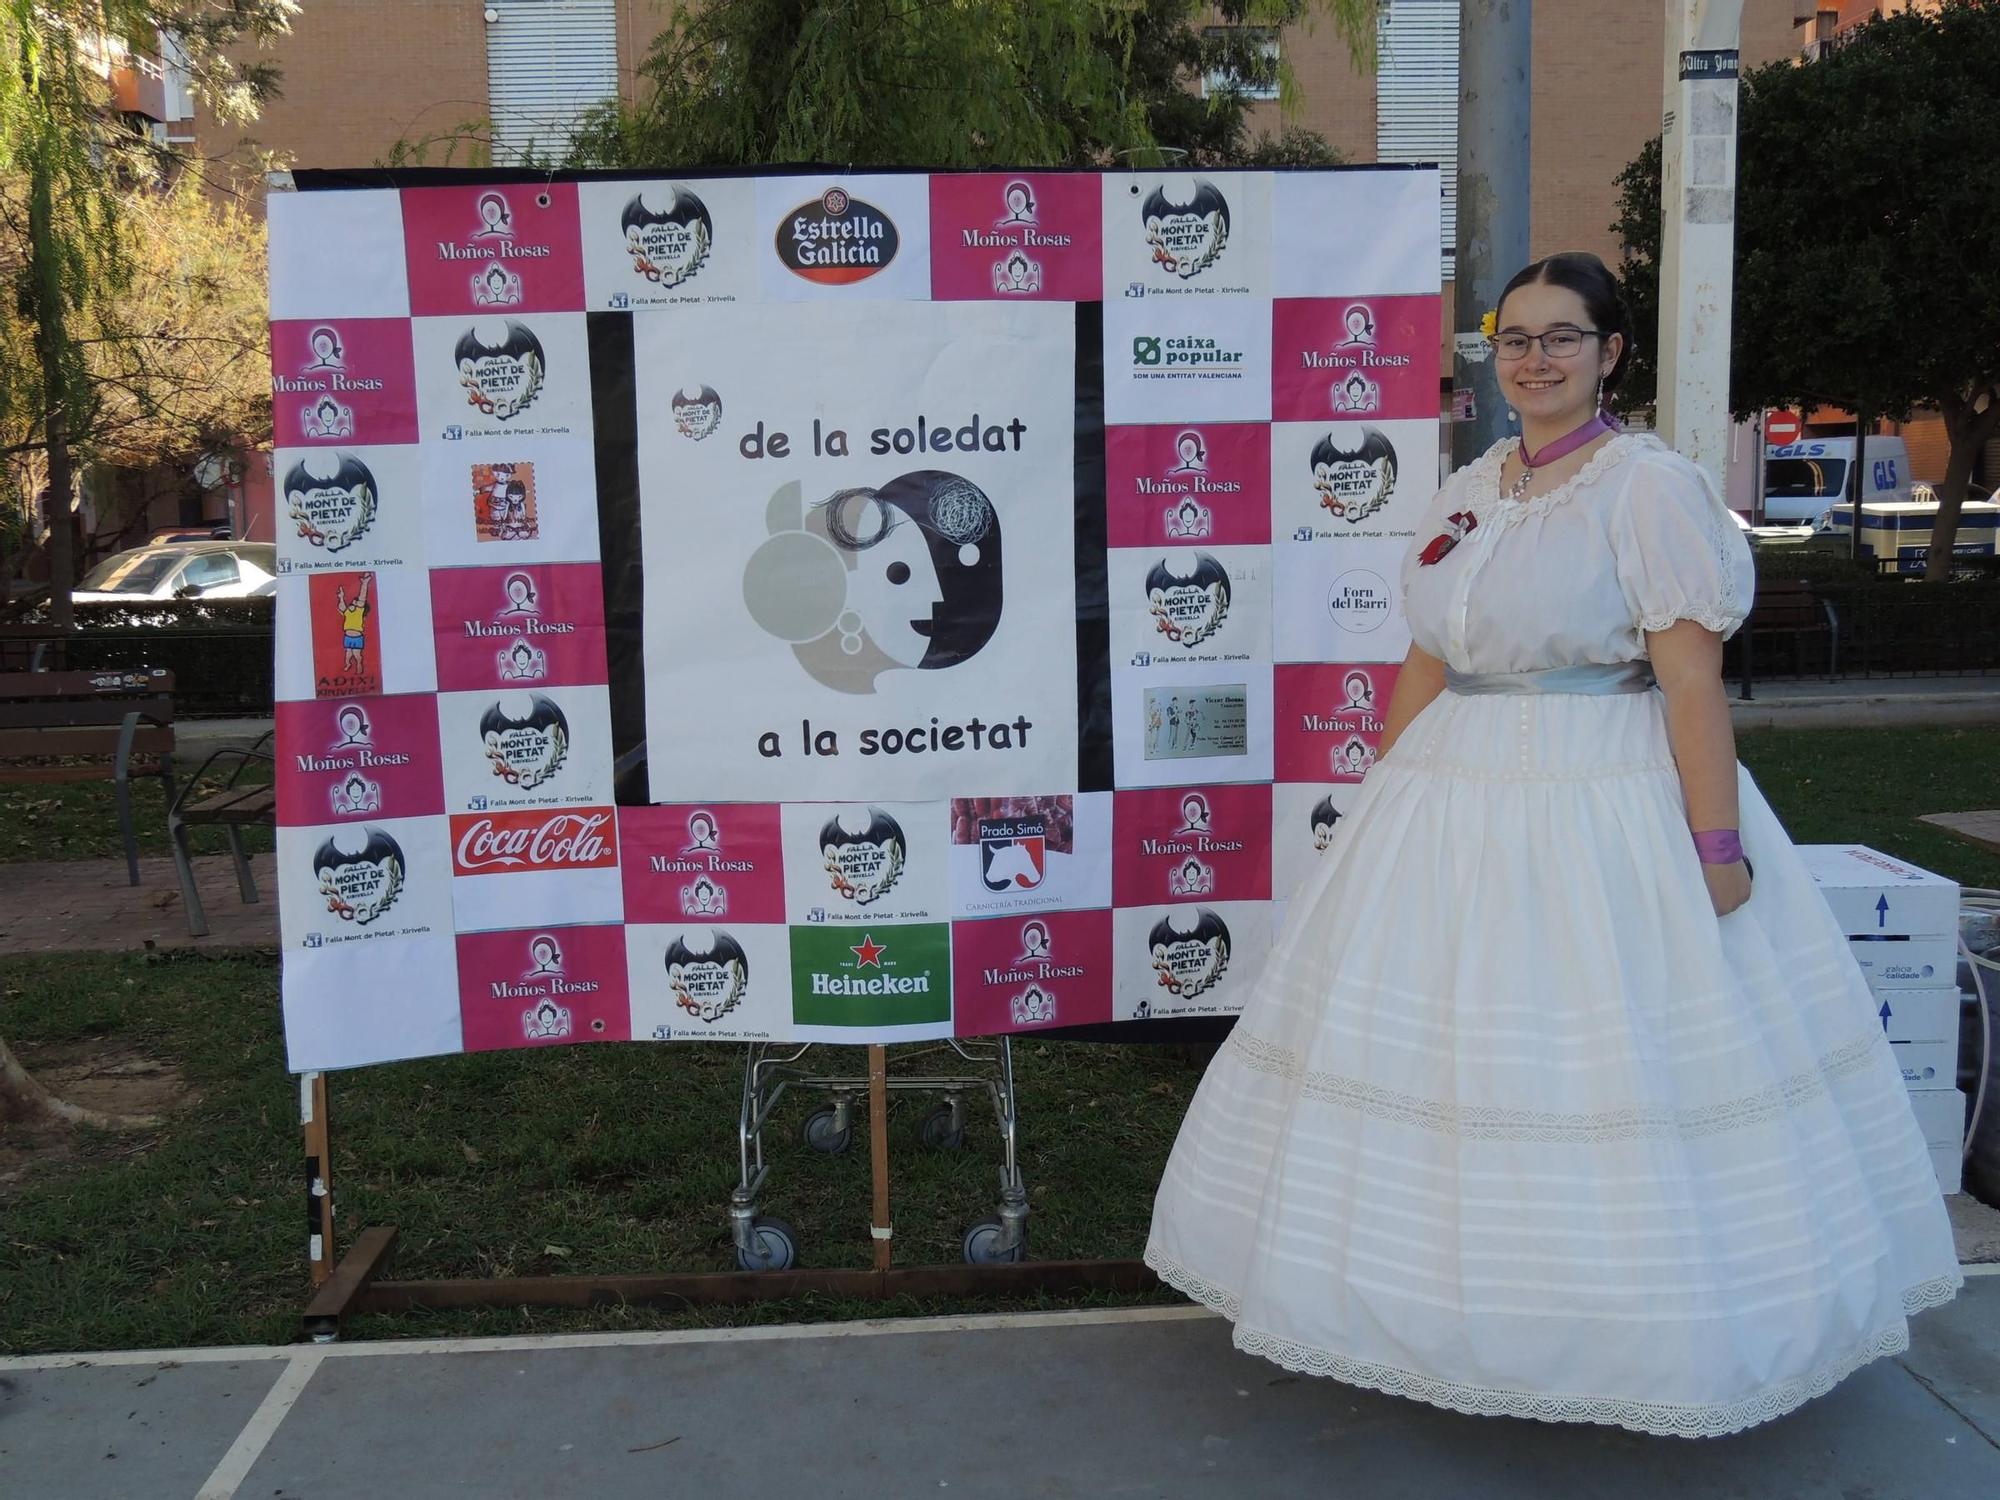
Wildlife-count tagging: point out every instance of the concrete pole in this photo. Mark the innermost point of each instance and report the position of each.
(1494, 73)
(1698, 228)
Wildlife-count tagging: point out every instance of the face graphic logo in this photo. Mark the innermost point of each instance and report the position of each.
(522, 662)
(704, 899)
(1354, 483)
(1013, 853)
(1359, 689)
(875, 580)
(697, 412)
(703, 834)
(353, 726)
(838, 240)
(1357, 394)
(496, 286)
(1189, 959)
(1195, 817)
(522, 597)
(667, 237)
(547, 958)
(357, 794)
(1187, 238)
(327, 353)
(327, 418)
(1035, 946)
(547, 1022)
(331, 498)
(1359, 321)
(1191, 452)
(1019, 200)
(863, 864)
(501, 365)
(1324, 818)
(1190, 878)
(1188, 520)
(1188, 608)
(526, 739)
(708, 977)
(503, 502)
(1353, 759)
(360, 874)
(1016, 276)
(1034, 1006)
(496, 220)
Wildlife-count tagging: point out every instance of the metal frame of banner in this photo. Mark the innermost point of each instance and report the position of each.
(344, 1285)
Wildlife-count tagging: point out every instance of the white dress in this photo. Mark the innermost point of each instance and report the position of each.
(1513, 1123)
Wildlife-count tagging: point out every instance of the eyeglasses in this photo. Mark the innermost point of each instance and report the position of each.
(1557, 343)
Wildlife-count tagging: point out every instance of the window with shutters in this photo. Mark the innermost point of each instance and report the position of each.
(547, 63)
(1416, 97)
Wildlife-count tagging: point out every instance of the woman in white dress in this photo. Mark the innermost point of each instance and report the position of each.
(1550, 1102)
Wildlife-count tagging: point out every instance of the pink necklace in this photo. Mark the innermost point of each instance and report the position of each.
(1599, 424)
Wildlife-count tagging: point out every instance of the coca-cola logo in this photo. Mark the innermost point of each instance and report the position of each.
(500, 843)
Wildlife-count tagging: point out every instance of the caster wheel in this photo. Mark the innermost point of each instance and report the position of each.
(936, 1131)
(822, 1134)
(776, 1247)
(982, 1246)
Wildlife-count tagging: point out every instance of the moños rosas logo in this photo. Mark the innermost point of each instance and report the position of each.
(837, 240)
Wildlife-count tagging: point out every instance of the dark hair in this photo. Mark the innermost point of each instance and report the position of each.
(1583, 273)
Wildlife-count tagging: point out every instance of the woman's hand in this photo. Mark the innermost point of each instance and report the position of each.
(1728, 886)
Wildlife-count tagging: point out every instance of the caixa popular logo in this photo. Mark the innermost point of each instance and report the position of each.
(1188, 960)
(837, 240)
(510, 842)
(707, 974)
(331, 499)
(862, 864)
(360, 874)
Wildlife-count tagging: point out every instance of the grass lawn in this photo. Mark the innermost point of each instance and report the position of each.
(79, 820)
(609, 1159)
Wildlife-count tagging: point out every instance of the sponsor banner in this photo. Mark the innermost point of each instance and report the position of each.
(1188, 485)
(493, 248)
(1307, 819)
(714, 982)
(1186, 362)
(543, 987)
(1351, 481)
(845, 239)
(336, 255)
(351, 759)
(519, 867)
(500, 501)
(1354, 359)
(703, 862)
(1341, 232)
(351, 884)
(1340, 603)
(667, 243)
(1016, 854)
(1173, 606)
(347, 508)
(1007, 236)
(359, 633)
(1207, 843)
(503, 375)
(348, 1005)
(529, 626)
(1187, 237)
(1201, 959)
(525, 748)
(346, 381)
(1202, 721)
(854, 979)
(1330, 719)
(1028, 973)
(873, 862)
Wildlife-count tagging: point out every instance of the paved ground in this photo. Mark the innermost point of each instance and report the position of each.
(1152, 1402)
(85, 904)
(1853, 702)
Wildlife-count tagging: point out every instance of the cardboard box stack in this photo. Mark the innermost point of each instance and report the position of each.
(1902, 926)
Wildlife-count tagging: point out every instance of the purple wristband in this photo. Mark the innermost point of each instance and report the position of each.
(1721, 846)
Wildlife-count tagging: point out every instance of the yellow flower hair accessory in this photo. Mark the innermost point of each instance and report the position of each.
(1490, 323)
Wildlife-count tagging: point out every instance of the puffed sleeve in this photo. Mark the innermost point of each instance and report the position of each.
(1680, 554)
(1431, 523)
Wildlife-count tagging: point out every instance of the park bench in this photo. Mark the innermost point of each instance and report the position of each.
(1789, 608)
(239, 805)
(90, 726)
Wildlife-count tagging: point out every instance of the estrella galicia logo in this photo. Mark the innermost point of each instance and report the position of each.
(359, 883)
(837, 240)
(1013, 853)
(501, 365)
(1188, 608)
(708, 976)
(862, 864)
(1324, 818)
(1189, 960)
(697, 412)
(526, 738)
(1354, 483)
(1187, 238)
(331, 498)
(667, 240)
(875, 580)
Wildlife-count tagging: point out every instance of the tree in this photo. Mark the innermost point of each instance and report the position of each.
(957, 83)
(75, 156)
(1867, 242)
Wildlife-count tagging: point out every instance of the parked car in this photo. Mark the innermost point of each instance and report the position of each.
(181, 570)
(205, 531)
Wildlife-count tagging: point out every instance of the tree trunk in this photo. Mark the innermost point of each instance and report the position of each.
(1967, 429)
(45, 278)
(26, 1103)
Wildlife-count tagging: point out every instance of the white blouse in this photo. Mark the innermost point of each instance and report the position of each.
(1635, 541)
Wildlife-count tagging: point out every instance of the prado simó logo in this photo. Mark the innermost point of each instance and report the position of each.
(668, 236)
(360, 873)
(331, 498)
(1188, 957)
(697, 412)
(501, 364)
(863, 863)
(878, 580)
(1186, 238)
(1013, 853)
(837, 240)
(1354, 482)
(708, 973)
(526, 738)
(1188, 606)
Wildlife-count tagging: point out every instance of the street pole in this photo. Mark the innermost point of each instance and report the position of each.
(1698, 228)
(1494, 72)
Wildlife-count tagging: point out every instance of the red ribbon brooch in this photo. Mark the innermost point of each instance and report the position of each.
(1457, 527)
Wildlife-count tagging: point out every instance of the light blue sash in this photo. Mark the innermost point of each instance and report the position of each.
(1595, 679)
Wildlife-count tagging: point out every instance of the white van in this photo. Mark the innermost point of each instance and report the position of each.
(1803, 480)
